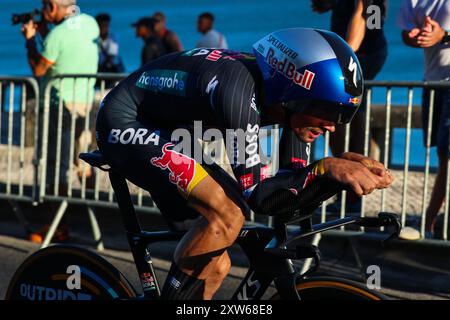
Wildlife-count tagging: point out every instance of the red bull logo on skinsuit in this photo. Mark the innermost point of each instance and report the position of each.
(181, 167)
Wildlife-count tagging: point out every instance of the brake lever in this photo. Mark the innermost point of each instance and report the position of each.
(384, 219)
(390, 219)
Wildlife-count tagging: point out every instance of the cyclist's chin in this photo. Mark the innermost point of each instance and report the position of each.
(308, 139)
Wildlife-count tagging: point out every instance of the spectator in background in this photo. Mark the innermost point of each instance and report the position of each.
(424, 24)
(348, 20)
(69, 48)
(211, 38)
(109, 59)
(169, 38)
(153, 46)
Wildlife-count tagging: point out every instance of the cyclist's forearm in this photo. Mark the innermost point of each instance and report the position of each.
(289, 181)
(284, 191)
(268, 190)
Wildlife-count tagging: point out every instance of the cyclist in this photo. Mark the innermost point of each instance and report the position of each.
(306, 80)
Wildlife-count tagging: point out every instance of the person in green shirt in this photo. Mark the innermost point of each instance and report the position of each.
(70, 47)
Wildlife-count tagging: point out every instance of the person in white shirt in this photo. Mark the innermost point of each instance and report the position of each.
(211, 38)
(109, 59)
(426, 24)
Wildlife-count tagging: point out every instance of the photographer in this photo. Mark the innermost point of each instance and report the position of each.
(70, 47)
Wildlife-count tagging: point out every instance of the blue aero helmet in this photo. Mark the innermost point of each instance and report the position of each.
(310, 71)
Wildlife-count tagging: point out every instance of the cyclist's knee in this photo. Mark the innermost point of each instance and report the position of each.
(225, 216)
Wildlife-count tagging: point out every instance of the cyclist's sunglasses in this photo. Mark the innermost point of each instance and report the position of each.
(339, 114)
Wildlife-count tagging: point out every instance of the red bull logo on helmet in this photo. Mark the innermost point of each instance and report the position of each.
(289, 70)
(355, 101)
(181, 167)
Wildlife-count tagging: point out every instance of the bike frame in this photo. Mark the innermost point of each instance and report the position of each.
(269, 250)
(252, 239)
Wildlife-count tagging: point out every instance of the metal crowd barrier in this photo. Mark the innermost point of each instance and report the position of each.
(19, 118)
(383, 118)
(77, 189)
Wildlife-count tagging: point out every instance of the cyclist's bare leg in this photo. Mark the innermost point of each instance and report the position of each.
(216, 277)
(202, 251)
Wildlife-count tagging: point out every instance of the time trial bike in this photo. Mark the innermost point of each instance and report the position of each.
(270, 252)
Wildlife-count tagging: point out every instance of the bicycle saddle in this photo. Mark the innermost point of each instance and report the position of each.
(95, 159)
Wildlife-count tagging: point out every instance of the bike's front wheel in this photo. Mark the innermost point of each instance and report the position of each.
(330, 288)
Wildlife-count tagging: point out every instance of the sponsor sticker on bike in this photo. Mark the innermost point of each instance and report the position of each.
(35, 292)
(147, 281)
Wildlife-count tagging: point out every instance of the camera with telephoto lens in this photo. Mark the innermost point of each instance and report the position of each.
(22, 18)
